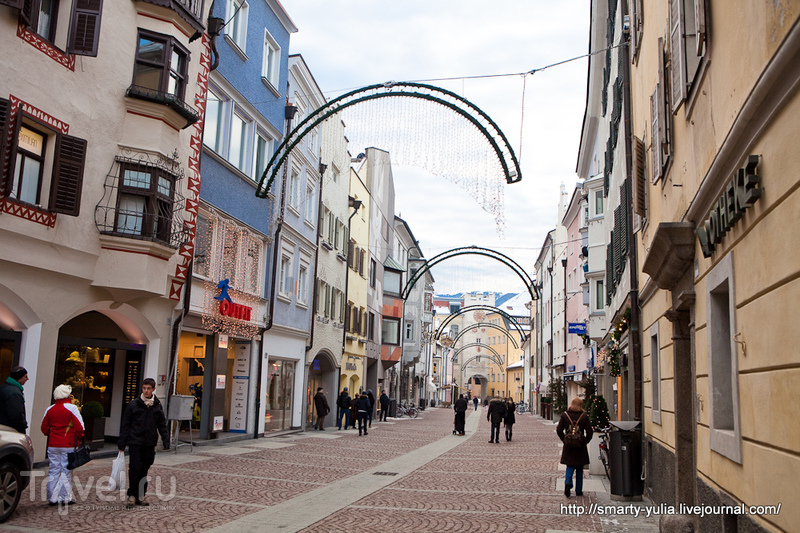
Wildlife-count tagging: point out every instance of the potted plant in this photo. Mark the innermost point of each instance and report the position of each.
(92, 413)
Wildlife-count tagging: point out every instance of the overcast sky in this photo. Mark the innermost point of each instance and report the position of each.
(349, 44)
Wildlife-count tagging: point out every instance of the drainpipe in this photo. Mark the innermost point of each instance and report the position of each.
(356, 205)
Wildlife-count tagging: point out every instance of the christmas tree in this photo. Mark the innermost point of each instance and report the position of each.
(598, 412)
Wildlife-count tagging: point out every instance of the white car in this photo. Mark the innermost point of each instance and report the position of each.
(16, 458)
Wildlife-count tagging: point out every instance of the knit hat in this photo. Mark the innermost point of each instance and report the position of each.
(18, 373)
(61, 392)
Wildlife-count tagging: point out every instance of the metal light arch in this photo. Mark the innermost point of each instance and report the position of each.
(485, 125)
(497, 357)
(486, 325)
(533, 291)
(489, 308)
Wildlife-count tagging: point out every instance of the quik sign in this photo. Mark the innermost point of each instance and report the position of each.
(577, 327)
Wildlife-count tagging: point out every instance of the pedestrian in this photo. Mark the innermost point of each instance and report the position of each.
(495, 414)
(475, 402)
(384, 400)
(142, 422)
(343, 403)
(12, 400)
(321, 404)
(371, 405)
(485, 403)
(63, 426)
(575, 431)
(353, 410)
(361, 406)
(510, 418)
(460, 408)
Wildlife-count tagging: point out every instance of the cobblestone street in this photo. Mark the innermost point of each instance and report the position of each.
(406, 475)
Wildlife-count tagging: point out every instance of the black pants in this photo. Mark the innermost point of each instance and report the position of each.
(362, 421)
(495, 432)
(460, 421)
(509, 428)
(141, 459)
(320, 421)
(384, 413)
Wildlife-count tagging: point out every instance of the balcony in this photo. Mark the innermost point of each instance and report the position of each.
(189, 10)
(188, 113)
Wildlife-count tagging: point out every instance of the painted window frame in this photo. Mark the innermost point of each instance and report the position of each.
(723, 367)
(237, 14)
(270, 73)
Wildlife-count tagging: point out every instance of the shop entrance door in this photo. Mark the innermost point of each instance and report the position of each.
(9, 352)
(280, 389)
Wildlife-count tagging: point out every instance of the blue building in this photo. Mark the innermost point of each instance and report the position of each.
(219, 358)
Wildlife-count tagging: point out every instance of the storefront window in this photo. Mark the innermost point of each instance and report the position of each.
(89, 371)
(191, 370)
(279, 395)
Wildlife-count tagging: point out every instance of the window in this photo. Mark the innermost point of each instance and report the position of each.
(371, 327)
(313, 144)
(655, 373)
(237, 154)
(46, 166)
(45, 15)
(236, 27)
(161, 64)
(390, 329)
(230, 253)
(391, 281)
(660, 120)
(263, 153)
(409, 331)
(302, 287)
(723, 371)
(145, 202)
(598, 202)
(270, 69)
(251, 274)
(310, 204)
(599, 296)
(212, 129)
(373, 266)
(27, 183)
(294, 189)
(285, 277)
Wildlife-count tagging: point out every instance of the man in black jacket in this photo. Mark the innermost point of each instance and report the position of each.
(460, 408)
(343, 403)
(495, 414)
(384, 401)
(12, 400)
(142, 423)
(321, 404)
(361, 406)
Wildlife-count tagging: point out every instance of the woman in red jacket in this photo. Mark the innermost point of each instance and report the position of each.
(63, 425)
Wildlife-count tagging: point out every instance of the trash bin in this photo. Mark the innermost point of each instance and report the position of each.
(393, 407)
(625, 460)
(422, 403)
(433, 403)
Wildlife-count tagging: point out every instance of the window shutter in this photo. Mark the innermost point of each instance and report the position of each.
(609, 271)
(700, 26)
(655, 135)
(350, 250)
(639, 178)
(16, 4)
(361, 255)
(65, 193)
(84, 32)
(677, 45)
(26, 12)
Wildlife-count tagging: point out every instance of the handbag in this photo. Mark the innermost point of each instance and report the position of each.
(79, 456)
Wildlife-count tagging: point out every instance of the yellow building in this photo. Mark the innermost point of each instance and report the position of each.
(357, 321)
(716, 194)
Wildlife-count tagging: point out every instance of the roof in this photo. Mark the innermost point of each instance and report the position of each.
(518, 364)
(516, 305)
(394, 265)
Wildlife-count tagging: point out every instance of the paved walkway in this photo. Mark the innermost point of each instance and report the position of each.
(406, 475)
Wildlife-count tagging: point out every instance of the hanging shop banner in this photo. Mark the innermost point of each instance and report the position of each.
(240, 382)
(577, 327)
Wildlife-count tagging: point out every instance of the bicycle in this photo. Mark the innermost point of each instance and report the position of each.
(522, 408)
(604, 449)
(411, 411)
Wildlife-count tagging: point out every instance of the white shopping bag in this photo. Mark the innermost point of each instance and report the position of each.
(117, 481)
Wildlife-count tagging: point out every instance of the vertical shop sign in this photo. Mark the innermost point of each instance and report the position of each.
(240, 382)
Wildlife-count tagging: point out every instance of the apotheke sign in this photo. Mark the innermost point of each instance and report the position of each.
(740, 194)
